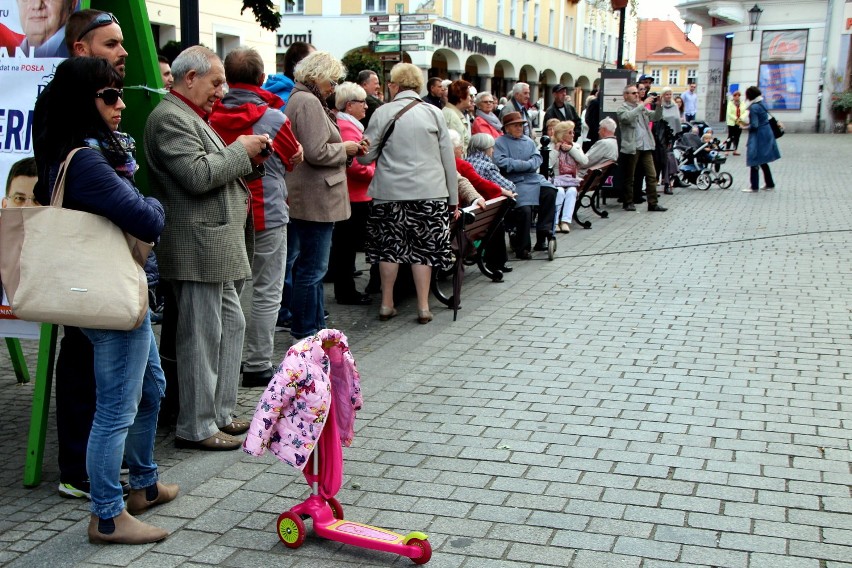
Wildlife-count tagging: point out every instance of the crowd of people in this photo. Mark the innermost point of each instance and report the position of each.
(282, 180)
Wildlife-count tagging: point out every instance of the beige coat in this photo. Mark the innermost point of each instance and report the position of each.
(317, 187)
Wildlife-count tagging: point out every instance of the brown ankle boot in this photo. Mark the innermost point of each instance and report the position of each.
(128, 530)
(137, 501)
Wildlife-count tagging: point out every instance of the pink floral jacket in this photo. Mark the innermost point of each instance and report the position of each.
(317, 373)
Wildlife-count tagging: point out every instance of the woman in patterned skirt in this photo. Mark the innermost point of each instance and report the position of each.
(413, 190)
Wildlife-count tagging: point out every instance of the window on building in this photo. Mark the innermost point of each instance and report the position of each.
(674, 76)
(513, 14)
(551, 29)
(594, 45)
(691, 74)
(657, 74)
(501, 24)
(568, 35)
(525, 25)
(480, 13)
(225, 43)
(448, 8)
(536, 20)
(586, 34)
(296, 7)
(375, 6)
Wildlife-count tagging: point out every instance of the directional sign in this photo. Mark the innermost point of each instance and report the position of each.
(389, 57)
(392, 48)
(375, 19)
(406, 36)
(381, 28)
(415, 17)
(416, 27)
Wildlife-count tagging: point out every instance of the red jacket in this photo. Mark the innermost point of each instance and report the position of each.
(10, 40)
(485, 188)
(480, 125)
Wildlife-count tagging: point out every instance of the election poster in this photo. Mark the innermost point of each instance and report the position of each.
(32, 45)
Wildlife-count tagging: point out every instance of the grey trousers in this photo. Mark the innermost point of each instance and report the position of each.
(267, 276)
(209, 345)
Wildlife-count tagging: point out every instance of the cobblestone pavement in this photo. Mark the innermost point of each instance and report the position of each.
(672, 390)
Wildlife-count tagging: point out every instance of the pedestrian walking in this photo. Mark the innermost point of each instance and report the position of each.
(762, 148)
(736, 117)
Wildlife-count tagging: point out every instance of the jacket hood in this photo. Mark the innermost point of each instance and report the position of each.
(240, 109)
(280, 85)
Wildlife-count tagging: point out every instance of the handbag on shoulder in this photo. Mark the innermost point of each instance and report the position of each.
(71, 267)
(777, 127)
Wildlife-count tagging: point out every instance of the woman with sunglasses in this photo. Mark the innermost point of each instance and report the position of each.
(128, 376)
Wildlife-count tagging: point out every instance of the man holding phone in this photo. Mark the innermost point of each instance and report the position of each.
(637, 146)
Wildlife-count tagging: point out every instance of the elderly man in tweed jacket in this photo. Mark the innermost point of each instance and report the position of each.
(203, 249)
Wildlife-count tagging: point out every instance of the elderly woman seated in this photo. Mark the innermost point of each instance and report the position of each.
(566, 158)
(495, 251)
(486, 121)
(517, 156)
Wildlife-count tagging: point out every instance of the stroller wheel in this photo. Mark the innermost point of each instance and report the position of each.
(703, 181)
(291, 529)
(336, 507)
(725, 180)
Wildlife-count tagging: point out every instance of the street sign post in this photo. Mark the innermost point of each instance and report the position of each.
(415, 17)
(376, 19)
(389, 57)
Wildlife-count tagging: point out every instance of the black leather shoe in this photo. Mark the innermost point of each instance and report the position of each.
(656, 208)
(253, 379)
(640, 200)
(505, 269)
(540, 247)
(523, 255)
(628, 208)
(357, 300)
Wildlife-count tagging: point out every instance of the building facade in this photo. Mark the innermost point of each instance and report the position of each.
(798, 54)
(221, 28)
(664, 53)
(491, 43)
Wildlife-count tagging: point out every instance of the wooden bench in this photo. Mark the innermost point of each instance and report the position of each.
(588, 192)
(470, 235)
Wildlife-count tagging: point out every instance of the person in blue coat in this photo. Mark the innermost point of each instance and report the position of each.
(762, 148)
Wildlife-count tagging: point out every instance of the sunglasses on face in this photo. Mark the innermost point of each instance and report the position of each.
(110, 96)
(100, 21)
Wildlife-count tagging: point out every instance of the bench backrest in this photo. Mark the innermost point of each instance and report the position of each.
(477, 221)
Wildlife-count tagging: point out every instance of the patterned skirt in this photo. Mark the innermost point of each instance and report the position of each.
(409, 232)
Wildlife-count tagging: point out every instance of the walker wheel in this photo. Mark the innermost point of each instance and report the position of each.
(425, 547)
(291, 529)
(336, 507)
(551, 248)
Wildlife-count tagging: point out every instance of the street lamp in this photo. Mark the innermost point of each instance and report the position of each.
(754, 17)
(687, 29)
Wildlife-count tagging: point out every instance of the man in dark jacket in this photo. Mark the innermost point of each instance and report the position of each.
(436, 92)
(369, 81)
(561, 109)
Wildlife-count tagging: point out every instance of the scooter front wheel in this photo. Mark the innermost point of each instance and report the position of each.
(291, 529)
(425, 547)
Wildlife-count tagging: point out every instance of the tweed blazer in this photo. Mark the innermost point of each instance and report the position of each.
(317, 187)
(197, 178)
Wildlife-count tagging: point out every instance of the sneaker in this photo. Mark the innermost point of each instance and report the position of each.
(82, 490)
(748, 190)
(77, 490)
(768, 188)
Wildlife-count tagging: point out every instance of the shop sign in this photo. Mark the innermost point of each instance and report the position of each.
(787, 45)
(455, 39)
(286, 40)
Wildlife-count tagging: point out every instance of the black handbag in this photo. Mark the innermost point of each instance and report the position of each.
(777, 127)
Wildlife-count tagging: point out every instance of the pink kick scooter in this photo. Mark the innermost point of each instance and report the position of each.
(328, 522)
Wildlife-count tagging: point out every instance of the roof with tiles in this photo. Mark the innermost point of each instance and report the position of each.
(663, 40)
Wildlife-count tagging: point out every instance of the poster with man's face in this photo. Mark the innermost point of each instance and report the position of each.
(32, 45)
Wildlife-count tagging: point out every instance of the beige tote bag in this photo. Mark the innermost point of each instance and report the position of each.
(70, 267)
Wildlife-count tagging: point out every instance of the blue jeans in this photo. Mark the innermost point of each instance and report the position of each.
(309, 247)
(129, 386)
(284, 313)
